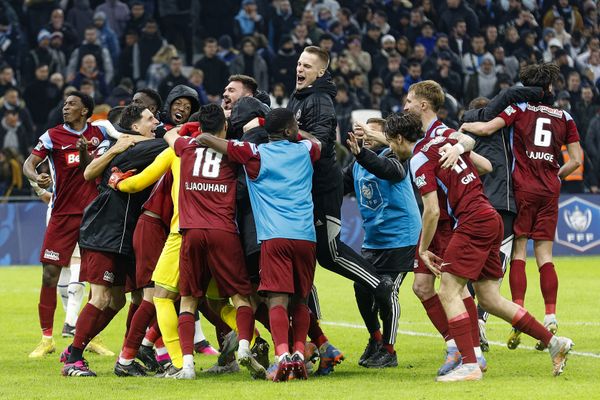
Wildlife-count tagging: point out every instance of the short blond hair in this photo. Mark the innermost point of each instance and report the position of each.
(430, 91)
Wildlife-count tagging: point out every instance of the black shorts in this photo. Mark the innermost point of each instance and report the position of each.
(508, 219)
(391, 261)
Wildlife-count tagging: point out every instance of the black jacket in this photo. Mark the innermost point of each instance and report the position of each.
(315, 113)
(497, 185)
(108, 222)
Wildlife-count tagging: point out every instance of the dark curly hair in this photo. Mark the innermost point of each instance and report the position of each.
(407, 125)
(211, 118)
(539, 75)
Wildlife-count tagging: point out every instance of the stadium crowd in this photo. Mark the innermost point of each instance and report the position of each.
(108, 49)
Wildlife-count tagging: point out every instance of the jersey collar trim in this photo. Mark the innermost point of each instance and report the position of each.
(73, 130)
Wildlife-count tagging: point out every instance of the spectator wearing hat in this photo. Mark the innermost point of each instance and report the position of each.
(91, 45)
(227, 52)
(281, 23)
(216, 72)
(41, 55)
(455, 10)
(57, 25)
(248, 20)
(251, 64)
(380, 59)
(283, 69)
(117, 14)
(483, 82)
(107, 36)
(443, 74)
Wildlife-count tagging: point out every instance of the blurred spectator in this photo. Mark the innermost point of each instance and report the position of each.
(174, 78)
(91, 45)
(108, 37)
(129, 60)
(313, 30)
(356, 89)
(217, 17)
(58, 80)
(89, 87)
(89, 71)
(249, 63)
(512, 41)
(584, 110)
(315, 5)
(459, 40)
(56, 48)
(349, 27)
(55, 116)
(139, 17)
(14, 135)
(69, 35)
(11, 173)
(427, 36)
(574, 86)
(563, 100)
(215, 70)
(445, 76)
(300, 37)
(394, 65)
(345, 103)
(380, 59)
(491, 38)
(413, 75)
(37, 14)
(506, 65)
(12, 101)
(456, 10)
(377, 93)
(7, 78)
(284, 65)
(122, 94)
(150, 44)
(592, 62)
(117, 15)
(196, 81)
(40, 96)
(413, 30)
(41, 55)
(472, 60)
(393, 102)
(175, 22)
(248, 20)
(10, 36)
(592, 148)
(570, 15)
(482, 83)
(360, 58)
(80, 17)
(371, 41)
(404, 47)
(282, 22)
(278, 96)
(227, 52)
(561, 33)
(528, 49)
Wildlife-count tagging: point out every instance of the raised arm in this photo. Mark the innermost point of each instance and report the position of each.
(149, 175)
(97, 166)
(451, 154)
(483, 128)
(215, 143)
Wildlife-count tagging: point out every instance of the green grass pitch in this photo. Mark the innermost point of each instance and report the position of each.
(520, 374)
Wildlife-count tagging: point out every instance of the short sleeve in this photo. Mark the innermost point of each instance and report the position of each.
(313, 149)
(423, 173)
(44, 146)
(182, 143)
(245, 153)
(572, 132)
(510, 114)
(102, 148)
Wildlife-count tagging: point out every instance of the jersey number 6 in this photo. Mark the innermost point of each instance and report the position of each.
(542, 136)
(211, 165)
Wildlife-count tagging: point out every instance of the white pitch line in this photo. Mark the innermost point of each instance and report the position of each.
(433, 335)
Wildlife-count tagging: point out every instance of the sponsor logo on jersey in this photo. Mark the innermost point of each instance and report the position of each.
(434, 141)
(540, 155)
(95, 141)
(72, 158)
(416, 264)
(51, 255)
(109, 277)
(465, 180)
(420, 181)
(509, 110)
(65, 147)
(298, 114)
(546, 110)
(578, 226)
(370, 196)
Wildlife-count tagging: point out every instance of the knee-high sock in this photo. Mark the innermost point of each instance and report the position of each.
(549, 286)
(245, 323)
(525, 322)
(153, 332)
(280, 326)
(437, 315)
(141, 319)
(63, 287)
(315, 333)
(167, 321)
(198, 332)
(185, 329)
(367, 307)
(460, 329)
(76, 290)
(473, 318)
(103, 320)
(130, 313)
(300, 324)
(518, 281)
(46, 308)
(85, 328)
(262, 315)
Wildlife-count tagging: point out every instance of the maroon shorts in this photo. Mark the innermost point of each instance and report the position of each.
(438, 245)
(60, 239)
(537, 216)
(287, 266)
(149, 238)
(207, 253)
(474, 250)
(104, 268)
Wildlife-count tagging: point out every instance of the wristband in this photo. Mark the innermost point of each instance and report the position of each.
(461, 148)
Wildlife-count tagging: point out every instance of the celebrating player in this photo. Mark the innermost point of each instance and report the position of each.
(539, 131)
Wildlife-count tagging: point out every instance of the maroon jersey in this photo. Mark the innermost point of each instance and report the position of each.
(71, 193)
(207, 187)
(538, 132)
(460, 184)
(160, 201)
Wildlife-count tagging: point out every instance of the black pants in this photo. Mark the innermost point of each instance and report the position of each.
(394, 263)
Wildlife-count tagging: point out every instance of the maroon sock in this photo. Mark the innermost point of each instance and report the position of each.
(280, 326)
(130, 313)
(473, 317)
(140, 321)
(153, 333)
(549, 286)
(262, 315)
(221, 327)
(300, 324)
(437, 315)
(376, 336)
(46, 308)
(389, 348)
(518, 281)
(525, 322)
(315, 333)
(102, 322)
(460, 329)
(186, 328)
(244, 318)
(86, 323)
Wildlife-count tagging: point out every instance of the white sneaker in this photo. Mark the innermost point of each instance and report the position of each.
(464, 372)
(559, 348)
(551, 324)
(180, 373)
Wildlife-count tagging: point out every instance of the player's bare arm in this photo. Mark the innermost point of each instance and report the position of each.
(450, 157)
(483, 165)
(575, 160)
(215, 143)
(483, 128)
(29, 170)
(431, 215)
(368, 133)
(99, 164)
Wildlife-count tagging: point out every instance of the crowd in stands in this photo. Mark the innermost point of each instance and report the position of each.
(110, 48)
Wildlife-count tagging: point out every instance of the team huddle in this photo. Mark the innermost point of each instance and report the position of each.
(224, 211)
